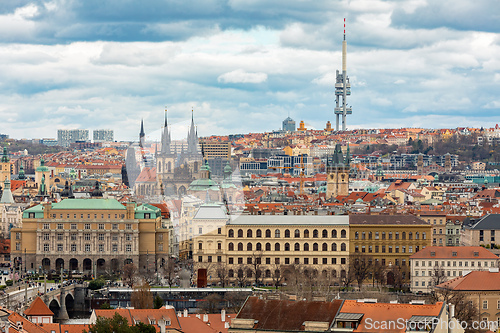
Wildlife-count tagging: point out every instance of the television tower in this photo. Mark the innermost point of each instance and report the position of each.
(342, 88)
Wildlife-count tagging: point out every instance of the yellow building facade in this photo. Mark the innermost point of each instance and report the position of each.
(90, 236)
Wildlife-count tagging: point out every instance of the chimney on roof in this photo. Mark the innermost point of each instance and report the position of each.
(205, 317)
(223, 315)
(185, 312)
(451, 308)
(161, 323)
(226, 325)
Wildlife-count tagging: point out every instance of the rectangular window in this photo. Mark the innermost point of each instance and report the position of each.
(87, 247)
(101, 237)
(115, 238)
(46, 226)
(306, 261)
(200, 230)
(485, 305)
(114, 247)
(59, 237)
(200, 258)
(128, 226)
(128, 248)
(342, 261)
(46, 237)
(86, 237)
(315, 261)
(101, 226)
(128, 237)
(115, 226)
(59, 247)
(334, 261)
(287, 261)
(87, 226)
(18, 246)
(240, 261)
(101, 247)
(73, 247)
(73, 237)
(231, 261)
(46, 247)
(60, 226)
(219, 259)
(73, 226)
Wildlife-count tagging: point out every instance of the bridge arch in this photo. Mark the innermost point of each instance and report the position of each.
(54, 306)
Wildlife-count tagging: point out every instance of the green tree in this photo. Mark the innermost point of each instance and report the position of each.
(158, 302)
(105, 306)
(96, 284)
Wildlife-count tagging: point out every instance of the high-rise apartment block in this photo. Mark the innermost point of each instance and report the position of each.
(66, 137)
(103, 135)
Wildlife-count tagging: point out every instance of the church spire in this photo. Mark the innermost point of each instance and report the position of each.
(142, 134)
(165, 138)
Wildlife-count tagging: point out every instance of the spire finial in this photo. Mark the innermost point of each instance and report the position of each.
(166, 123)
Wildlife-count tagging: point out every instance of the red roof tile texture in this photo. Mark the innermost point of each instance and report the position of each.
(38, 308)
(474, 281)
(454, 252)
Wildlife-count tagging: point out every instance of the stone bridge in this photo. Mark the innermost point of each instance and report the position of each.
(62, 300)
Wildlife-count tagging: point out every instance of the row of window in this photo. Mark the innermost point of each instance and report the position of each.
(287, 233)
(87, 226)
(87, 247)
(86, 236)
(383, 235)
(277, 261)
(277, 247)
(453, 263)
(383, 249)
(61, 216)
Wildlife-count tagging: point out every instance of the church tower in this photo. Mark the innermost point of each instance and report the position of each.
(337, 170)
(4, 166)
(165, 161)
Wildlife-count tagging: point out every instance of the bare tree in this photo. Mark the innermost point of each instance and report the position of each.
(360, 266)
(256, 267)
(438, 276)
(277, 275)
(400, 274)
(465, 310)
(241, 275)
(129, 274)
(222, 273)
(141, 297)
(378, 273)
(211, 303)
(348, 278)
(170, 271)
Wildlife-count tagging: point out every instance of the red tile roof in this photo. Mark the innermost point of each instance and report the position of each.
(474, 281)
(38, 308)
(446, 252)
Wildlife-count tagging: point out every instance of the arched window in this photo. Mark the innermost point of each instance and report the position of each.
(268, 246)
(315, 233)
(249, 233)
(287, 233)
(277, 233)
(230, 247)
(306, 247)
(297, 233)
(297, 247)
(240, 233)
(324, 233)
(306, 233)
(342, 247)
(287, 247)
(416, 235)
(363, 235)
(324, 247)
(249, 247)
(334, 233)
(315, 247)
(403, 235)
(410, 235)
(334, 246)
(249, 273)
(230, 273)
(258, 233)
(258, 247)
(356, 235)
(240, 246)
(334, 273)
(268, 273)
(370, 235)
(268, 233)
(277, 247)
(343, 234)
(230, 233)
(424, 236)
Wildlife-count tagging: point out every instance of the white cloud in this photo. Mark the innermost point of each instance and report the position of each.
(240, 76)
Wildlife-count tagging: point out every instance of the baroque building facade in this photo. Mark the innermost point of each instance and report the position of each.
(90, 236)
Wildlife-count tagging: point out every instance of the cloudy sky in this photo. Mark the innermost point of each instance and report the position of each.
(245, 65)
